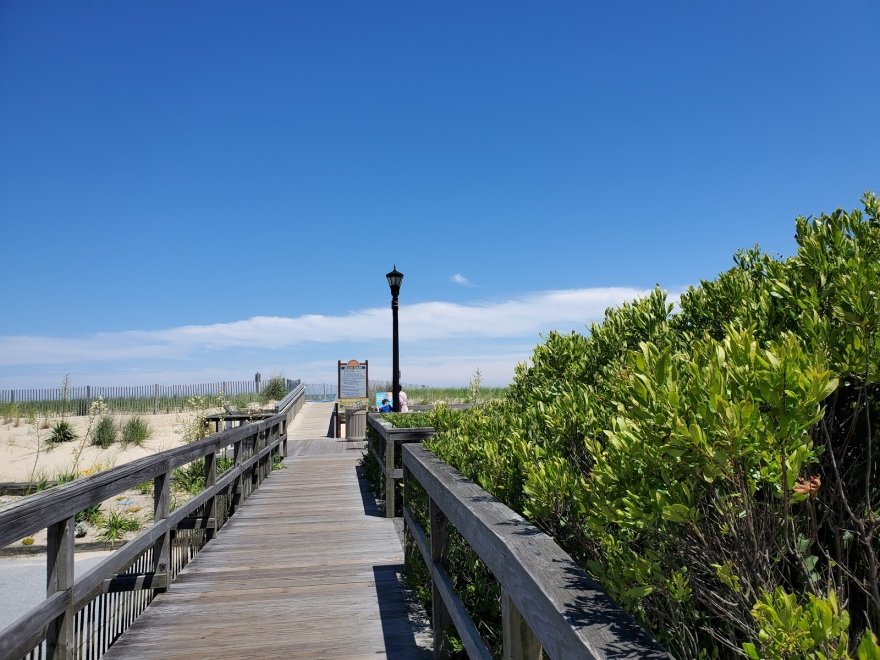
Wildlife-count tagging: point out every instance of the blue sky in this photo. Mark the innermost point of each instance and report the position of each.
(197, 191)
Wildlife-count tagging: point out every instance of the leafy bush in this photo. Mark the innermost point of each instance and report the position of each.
(275, 389)
(136, 431)
(62, 431)
(713, 466)
(105, 432)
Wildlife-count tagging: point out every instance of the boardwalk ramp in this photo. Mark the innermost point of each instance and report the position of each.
(308, 568)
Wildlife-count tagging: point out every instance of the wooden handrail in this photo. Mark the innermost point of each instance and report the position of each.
(51, 624)
(548, 601)
(385, 452)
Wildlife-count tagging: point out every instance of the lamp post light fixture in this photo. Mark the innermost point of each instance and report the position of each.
(395, 278)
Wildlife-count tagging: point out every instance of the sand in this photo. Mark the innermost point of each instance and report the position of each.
(25, 454)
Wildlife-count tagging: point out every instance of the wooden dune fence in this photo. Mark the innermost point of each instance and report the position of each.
(135, 399)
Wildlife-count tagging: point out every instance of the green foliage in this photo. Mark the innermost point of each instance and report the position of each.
(62, 431)
(275, 389)
(705, 463)
(225, 463)
(114, 526)
(136, 431)
(787, 629)
(91, 515)
(105, 432)
(190, 478)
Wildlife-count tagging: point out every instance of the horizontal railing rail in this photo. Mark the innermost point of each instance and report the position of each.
(82, 617)
(385, 443)
(549, 604)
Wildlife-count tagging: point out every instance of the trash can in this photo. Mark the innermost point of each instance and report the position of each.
(356, 424)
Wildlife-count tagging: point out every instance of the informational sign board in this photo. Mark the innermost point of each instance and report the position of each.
(353, 380)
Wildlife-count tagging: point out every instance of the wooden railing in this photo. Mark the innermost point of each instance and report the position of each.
(385, 443)
(549, 604)
(81, 617)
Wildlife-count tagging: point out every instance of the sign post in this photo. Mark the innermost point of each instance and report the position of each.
(354, 378)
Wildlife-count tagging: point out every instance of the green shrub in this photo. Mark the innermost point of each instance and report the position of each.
(136, 431)
(105, 432)
(704, 464)
(275, 389)
(62, 431)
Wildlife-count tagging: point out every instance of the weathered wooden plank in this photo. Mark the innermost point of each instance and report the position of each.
(568, 611)
(464, 625)
(302, 559)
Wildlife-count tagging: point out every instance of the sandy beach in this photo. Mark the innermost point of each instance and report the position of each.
(26, 454)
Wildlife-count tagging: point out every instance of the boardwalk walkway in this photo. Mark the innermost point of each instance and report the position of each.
(306, 569)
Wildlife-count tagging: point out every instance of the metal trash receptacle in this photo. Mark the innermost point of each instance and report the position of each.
(356, 424)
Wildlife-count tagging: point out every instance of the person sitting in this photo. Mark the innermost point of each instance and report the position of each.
(385, 407)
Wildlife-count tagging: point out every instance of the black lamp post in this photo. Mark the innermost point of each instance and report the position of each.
(394, 280)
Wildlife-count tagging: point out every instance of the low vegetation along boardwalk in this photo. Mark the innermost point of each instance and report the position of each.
(308, 568)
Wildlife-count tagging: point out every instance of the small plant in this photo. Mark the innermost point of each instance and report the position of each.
(116, 525)
(224, 463)
(63, 431)
(276, 389)
(66, 477)
(105, 432)
(474, 388)
(65, 396)
(193, 427)
(45, 425)
(190, 478)
(136, 431)
(27, 540)
(145, 487)
(91, 515)
(278, 462)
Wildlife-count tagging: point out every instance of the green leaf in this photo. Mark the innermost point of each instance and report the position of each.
(751, 651)
(868, 647)
(676, 513)
(640, 592)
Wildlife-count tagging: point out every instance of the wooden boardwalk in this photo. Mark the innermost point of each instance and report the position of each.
(306, 569)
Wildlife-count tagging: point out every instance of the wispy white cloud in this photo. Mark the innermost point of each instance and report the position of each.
(439, 338)
(458, 278)
(524, 316)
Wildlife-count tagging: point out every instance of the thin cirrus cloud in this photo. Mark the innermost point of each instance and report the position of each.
(524, 317)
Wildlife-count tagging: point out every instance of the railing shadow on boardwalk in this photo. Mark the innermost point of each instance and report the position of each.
(371, 507)
(403, 621)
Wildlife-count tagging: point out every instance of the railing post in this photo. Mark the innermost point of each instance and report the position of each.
(408, 542)
(255, 468)
(519, 642)
(162, 546)
(60, 641)
(440, 619)
(390, 494)
(238, 484)
(210, 504)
